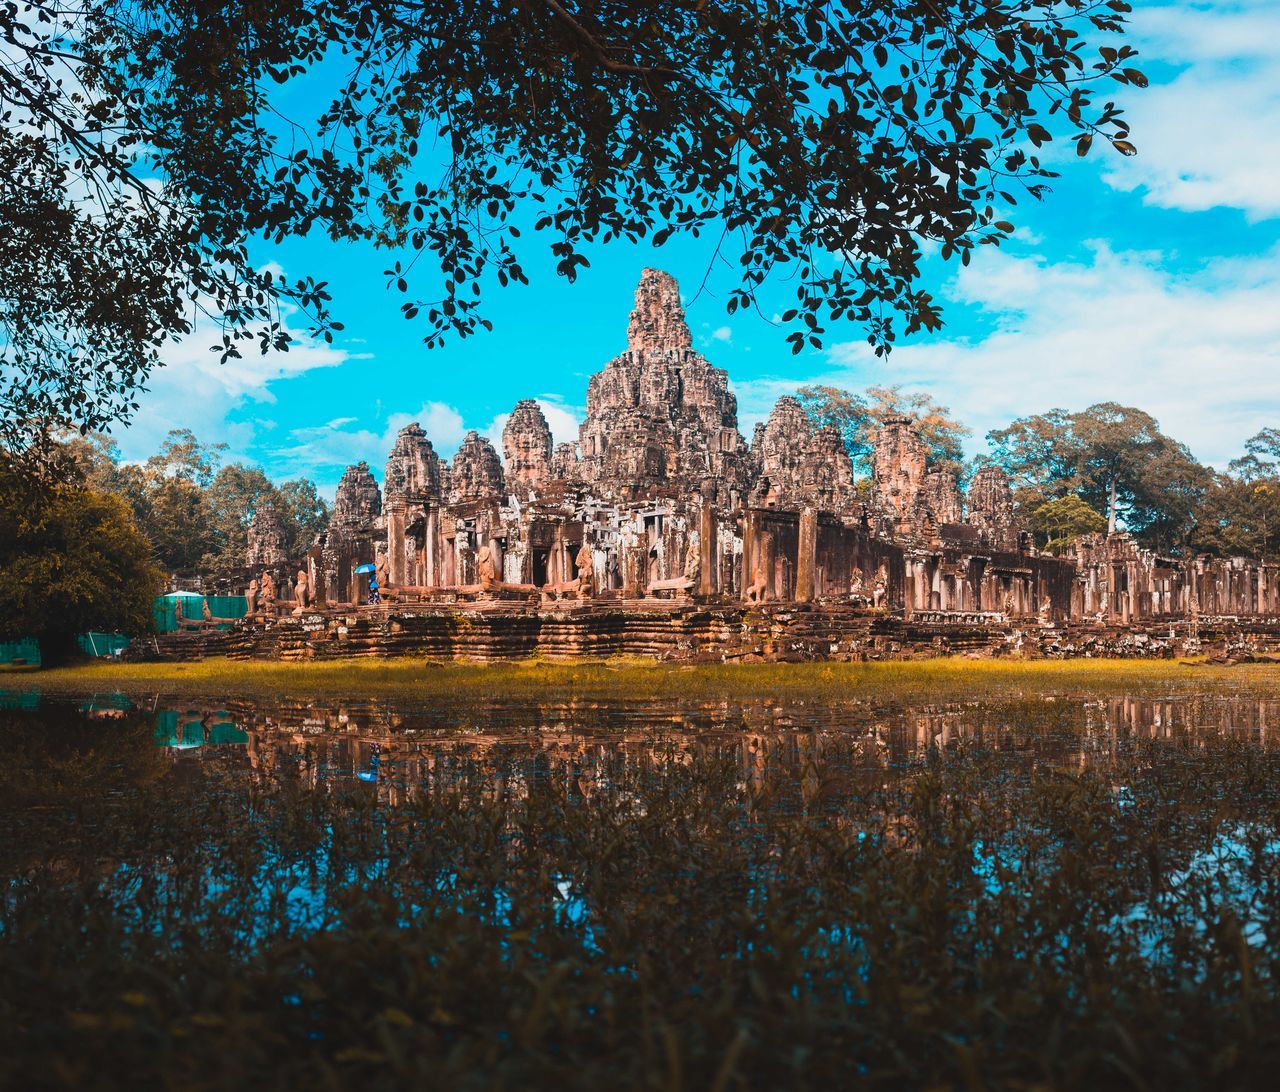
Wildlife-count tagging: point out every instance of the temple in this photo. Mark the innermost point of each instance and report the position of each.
(662, 504)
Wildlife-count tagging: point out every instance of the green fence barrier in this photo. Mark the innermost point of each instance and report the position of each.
(26, 651)
(102, 644)
(165, 610)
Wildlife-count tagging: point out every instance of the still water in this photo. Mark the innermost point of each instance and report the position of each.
(549, 893)
(398, 747)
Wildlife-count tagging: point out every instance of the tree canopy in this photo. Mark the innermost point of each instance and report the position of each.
(1115, 458)
(146, 148)
(71, 560)
(195, 512)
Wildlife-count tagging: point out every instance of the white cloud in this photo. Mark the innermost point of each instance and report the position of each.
(193, 390)
(333, 446)
(1201, 353)
(1210, 136)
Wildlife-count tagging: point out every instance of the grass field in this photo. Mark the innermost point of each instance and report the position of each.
(945, 677)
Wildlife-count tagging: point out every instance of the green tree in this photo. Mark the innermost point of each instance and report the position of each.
(305, 514)
(857, 417)
(828, 143)
(236, 492)
(1058, 523)
(1113, 457)
(71, 560)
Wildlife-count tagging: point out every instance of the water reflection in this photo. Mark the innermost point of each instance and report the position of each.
(401, 748)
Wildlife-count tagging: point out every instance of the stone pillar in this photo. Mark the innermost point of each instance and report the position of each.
(395, 545)
(431, 549)
(750, 548)
(707, 554)
(807, 555)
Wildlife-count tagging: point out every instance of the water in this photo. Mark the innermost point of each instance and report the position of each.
(400, 746)
(540, 887)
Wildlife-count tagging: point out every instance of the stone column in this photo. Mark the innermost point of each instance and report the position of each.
(395, 545)
(807, 555)
(707, 555)
(431, 549)
(750, 548)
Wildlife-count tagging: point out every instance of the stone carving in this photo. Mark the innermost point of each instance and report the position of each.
(880, 592)
(526, 444)
(251, 597)
(301, 590)
(486, 568)
(266, 540)
(477, 471)
(268, 593)
(586, 564)
(358, 501)
(564, 463)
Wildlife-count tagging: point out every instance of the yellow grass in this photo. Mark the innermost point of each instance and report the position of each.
(630, 678)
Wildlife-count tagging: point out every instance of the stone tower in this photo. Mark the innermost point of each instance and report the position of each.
(805, 467)
(526, 443)
(414, 474)
(991, 508)
(660, 418)
(358, 501)
(897, 475)
(265, 545)
(477, 471)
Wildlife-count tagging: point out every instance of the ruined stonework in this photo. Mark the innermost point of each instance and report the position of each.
(661, 512)
(991, 508)
(266, 542)
(897, 476)
(477, 472)
(660, 418)
(526, 445)
(358, 501)
(414, 473)
(565, 466)
(800, 464)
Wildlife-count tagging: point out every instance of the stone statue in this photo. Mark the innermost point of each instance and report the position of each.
(251, 596)
(205, 611)
(856, 589)
(383, 573)
(486, 569)
(586, 563)
(300, 590)
(758, 591)
(692, 563)
(880, 593)
(268, 592)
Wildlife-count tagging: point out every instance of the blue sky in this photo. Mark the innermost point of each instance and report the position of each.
(1153, 281)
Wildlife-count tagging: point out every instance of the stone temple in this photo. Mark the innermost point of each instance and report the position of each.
(663, 506)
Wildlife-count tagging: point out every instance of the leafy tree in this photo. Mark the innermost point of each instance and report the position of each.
(858, 416)
(305, 513)
(232, 498)
(1058, 523)
(1113, 457)
(71, 560)
(826, 142)
(184, 457)
(1239, 517)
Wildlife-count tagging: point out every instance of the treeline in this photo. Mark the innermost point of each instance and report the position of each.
(1105, 467)
(193, 511)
